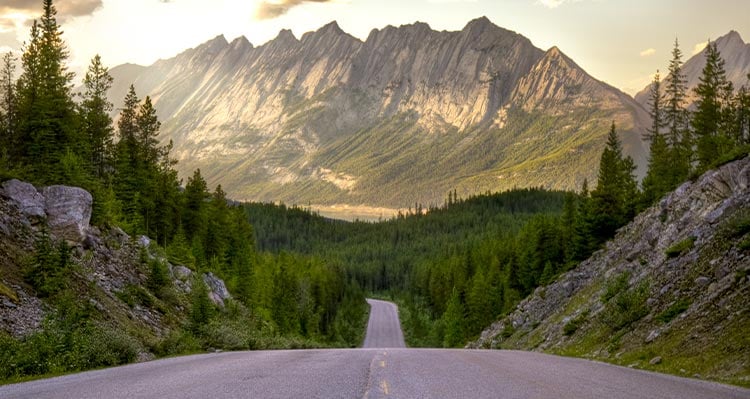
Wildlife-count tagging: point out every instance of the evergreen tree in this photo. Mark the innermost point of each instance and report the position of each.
(46, 116)
(95, 120)
(709, 119)
(194, 212)
(454, 320)
(615, 196)
(658, 178)
(7, 106)
(743, 115)
(127, 162)
(677, 120)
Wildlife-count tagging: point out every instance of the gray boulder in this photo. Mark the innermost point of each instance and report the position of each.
(68, 212)
(26, 197)
(217, 290)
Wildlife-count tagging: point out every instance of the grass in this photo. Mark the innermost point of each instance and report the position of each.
(8, 292)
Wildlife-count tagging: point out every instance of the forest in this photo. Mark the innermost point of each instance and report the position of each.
(453, 269)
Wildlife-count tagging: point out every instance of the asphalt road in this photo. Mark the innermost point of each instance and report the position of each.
(383, 328)
(372, 373)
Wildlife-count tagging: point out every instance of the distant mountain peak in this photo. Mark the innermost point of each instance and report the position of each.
(240, 42)
(285, 35)
(481, 22)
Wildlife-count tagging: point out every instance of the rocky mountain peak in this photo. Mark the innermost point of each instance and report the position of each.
(480, 24)
(241, 43)
(733, 38)
(284, 37)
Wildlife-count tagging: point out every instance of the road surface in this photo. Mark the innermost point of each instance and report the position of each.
(372, 373)
(383, 328)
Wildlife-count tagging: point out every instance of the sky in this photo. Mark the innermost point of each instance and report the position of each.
(622, 42)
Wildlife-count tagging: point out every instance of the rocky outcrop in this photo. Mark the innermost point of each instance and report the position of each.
(674, 283)
(264, 120)
(110, 263)
(217, 290)
(26, 197)
(66, 210)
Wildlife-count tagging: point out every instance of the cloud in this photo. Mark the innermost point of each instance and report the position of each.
(699, 47)
(648, 52)
(451, 1)
(555, 3)
(272, 9)
(65, 8)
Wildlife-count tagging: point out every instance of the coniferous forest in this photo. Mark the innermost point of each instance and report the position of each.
(453, 269)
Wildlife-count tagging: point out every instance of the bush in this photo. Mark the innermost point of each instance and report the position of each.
(50, 266)
(673, 311)
(615, 285)
(626, 307)
(178, 342)
(572, 326)
(680, 247)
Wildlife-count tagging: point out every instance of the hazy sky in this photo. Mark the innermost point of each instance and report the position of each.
(621, 42)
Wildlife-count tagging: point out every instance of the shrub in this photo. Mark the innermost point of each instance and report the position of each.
(626, 307)
(673, 311)
(615, 285)
(680, 247)
(572, 326)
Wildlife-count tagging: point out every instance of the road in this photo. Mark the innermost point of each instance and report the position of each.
(372, 373)
(383, 328)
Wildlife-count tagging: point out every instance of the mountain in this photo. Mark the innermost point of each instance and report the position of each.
(736, 55)
(399, 118)
(668, 293)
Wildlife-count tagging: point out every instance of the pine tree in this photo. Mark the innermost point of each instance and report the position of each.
(677, 119)
(743, 115)
(454, 320)
(709, 119)
(95, 119)
(194, 213)
(127, 165)
(46, 112)
(658, 178)
(615, 196)
(7, 106)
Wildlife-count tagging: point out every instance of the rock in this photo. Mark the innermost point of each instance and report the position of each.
(68, 212)
(181, 273)
(144, 241)
(218, 291)
(655, 361)
(654, 334)
(26, 197)
(702, 281)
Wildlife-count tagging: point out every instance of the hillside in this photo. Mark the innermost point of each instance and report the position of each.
(399, 118)
(669, 293)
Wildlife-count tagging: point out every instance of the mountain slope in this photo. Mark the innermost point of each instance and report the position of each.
(736, 55)
(669, 292)
(399, 118)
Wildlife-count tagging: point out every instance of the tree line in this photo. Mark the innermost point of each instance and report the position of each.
(687, 140)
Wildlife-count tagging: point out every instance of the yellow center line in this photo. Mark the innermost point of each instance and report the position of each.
(384, 386)
(382, 364)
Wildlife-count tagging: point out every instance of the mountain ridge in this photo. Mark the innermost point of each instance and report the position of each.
(329, 118)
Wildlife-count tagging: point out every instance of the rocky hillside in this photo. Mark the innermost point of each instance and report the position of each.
(736, 55)
(399, 118)
(107, 269)
(670, 293)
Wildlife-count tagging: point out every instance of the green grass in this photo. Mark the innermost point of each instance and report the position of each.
(680, 247)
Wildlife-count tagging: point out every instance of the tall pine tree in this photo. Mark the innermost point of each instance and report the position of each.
(95, 120)
(709, 119)
(677, 118)
(658, 178)
(613, 201)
